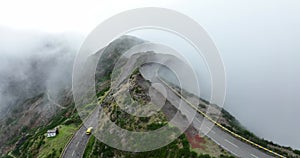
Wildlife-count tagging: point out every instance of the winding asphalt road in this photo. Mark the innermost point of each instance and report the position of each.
(227, 141)
(76, 146)
(222, 138)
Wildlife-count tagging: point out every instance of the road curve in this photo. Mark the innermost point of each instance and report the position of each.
(219, 135)
(228, 142)
(76, 146)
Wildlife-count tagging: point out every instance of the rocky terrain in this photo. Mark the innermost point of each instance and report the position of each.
(22, 130)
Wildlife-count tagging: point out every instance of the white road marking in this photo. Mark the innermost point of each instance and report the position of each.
(224, 147)
(230, 151)
(231, 143)
(73, 153)
(213, 132)
(254, 156)
(77, 144)
(210, 130)
(215, 141)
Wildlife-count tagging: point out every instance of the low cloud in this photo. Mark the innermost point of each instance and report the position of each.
(34, 62)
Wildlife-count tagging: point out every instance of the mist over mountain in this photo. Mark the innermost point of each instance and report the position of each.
(32, 63)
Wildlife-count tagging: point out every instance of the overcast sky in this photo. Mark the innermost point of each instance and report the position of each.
(258, 41)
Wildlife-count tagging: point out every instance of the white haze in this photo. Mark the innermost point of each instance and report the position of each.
(33, 63)
(258, 40)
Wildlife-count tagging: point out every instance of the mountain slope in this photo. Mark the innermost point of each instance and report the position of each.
(35, 114)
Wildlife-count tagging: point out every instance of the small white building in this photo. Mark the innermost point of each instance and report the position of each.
(52, 133)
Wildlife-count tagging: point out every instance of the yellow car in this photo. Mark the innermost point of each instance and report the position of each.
(89, 130)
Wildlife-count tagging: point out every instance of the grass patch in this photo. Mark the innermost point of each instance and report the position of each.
(54, 146)
(89, 147)
(211, 149)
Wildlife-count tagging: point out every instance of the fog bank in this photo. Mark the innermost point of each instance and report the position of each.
(32, 63)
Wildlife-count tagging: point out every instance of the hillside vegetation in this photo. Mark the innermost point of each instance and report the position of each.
(22, 133)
